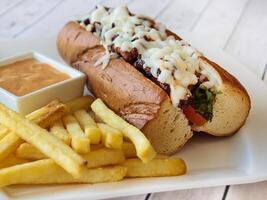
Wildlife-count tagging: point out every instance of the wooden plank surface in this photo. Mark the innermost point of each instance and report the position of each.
(152, 8)
(248, 42)
(239, 27)
(6, 5)
(255, 191)
(136, 197)
(24, 15)
(63, 13)
(214, 193)
(216, 24)
(182, 14)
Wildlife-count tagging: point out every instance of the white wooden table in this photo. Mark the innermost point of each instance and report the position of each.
(238, 27)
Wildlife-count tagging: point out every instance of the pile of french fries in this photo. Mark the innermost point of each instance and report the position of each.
(81, 141)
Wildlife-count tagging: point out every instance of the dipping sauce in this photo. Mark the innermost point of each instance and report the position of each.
(25, 76)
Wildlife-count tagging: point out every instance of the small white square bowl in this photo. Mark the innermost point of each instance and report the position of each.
(64, 90)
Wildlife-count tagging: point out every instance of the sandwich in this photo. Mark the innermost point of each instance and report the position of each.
(152, 78)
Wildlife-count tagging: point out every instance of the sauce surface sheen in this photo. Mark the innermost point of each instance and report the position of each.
(28, 75)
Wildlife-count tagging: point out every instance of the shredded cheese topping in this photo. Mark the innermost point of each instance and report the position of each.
(170, 61)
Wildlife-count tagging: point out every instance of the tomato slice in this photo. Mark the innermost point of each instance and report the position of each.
(193, 116)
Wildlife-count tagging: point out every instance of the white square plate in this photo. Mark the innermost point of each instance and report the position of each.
(211, 161)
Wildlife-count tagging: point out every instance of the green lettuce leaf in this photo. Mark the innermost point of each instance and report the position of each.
(203, 101)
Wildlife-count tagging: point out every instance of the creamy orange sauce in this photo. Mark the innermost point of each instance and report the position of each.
(25, 76)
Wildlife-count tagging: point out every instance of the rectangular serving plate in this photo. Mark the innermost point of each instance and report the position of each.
(211, 161)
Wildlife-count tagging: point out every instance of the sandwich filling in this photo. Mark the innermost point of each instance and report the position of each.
(171, 63)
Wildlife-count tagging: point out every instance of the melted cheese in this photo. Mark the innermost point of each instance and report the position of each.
(171, 61)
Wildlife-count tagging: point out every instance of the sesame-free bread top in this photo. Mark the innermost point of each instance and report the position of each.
(125, 90)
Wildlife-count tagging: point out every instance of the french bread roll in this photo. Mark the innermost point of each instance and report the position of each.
(142, 102)
(125, 90)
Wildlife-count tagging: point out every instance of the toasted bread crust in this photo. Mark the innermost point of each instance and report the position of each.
(123, 88)
(231, 108)
(141, 102)
(126, 90)
(77, 38)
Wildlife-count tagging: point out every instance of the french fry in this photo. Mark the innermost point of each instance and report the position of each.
(79, 142)
(43, 116)
(103, 157)
(154, 168)
(143, 147)
(83, 102)
(96, 158)
(128, 149)
(47, 172)
(60, 132)
(52, 119)
(88, 125)
(12, 160)
(28, 151)
(48, 114)
(8, 145)
(3, 131)
(47, 143)
(111, 137)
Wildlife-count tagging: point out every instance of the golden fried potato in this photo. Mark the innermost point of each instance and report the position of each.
(88, 125)
(47, 172)
(111, 137)
(104, 156)
(3, 131)
(29, 152)
(79, 142)
(83, 102)
(60, 132)
(47, 115)
(47, 143)
(143, 147)
(12, 160)
(154, 168)
(9, 144)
